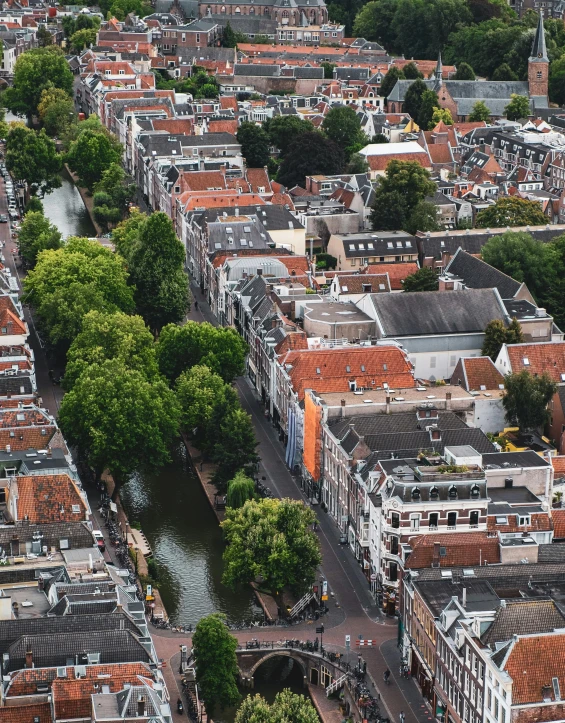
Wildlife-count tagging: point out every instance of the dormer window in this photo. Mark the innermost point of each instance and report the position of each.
(434, 493)
(475, 491)
(452, 494)
(416, 494)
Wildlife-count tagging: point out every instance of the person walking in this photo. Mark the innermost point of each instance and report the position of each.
(402, 717)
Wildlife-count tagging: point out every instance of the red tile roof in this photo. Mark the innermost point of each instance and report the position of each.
(298, 264)
(558, 463)
(462, 549)
(48, 498)
(355, 283)
(380, 364)
(222, 126)
(440, 153)
(396, 272)
(26, 713)
(532, 663)
(9, 317)
(25, 429)
(540, 523)
(379, 163)
(177, 126)
(258, 178)
(293, 341)
(543, 357)
(220, 199)
(480, 371)
(202, 180)
(558, 516)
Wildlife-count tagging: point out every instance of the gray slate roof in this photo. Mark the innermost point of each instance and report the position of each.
(523, 617)
(437, 312)
(477, 274)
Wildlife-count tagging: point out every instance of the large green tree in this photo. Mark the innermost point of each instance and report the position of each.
(497, 334)
(428, 105)
(119, 420)
(215, 663)
(111, 336)
(254, 144)
(32, 157)
(519, 107)
(240, 489)
(36, 70)
(271, 539)
(422, 218)
(413, 99)
(404, 186)
(526, 398)
(464, 72)
(393, 75)
(235, 444)
(504, 72)
(310, 154)
(221, 349)
(511, 211)
(284, 129)
(425, 279)
(91, 154)
(287, 706)
(71, 281)
(411, 71)
(156, 265)
(557, 81)
(37, 234)
(480, 112)
(199, 390)
(56, 110)
(343, 126)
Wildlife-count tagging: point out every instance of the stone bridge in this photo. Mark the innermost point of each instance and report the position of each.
(316, 669)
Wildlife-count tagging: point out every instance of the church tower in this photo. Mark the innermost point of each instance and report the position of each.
(538, 64)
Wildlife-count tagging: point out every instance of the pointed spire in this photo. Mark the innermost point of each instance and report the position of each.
(439, 67)
(539, 51)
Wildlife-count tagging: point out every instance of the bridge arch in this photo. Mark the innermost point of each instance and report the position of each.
(280, 654)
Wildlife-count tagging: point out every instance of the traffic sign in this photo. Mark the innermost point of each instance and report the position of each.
(348, 641)
(373, 576)
(366, 643)
(320, 630)
(324, 587)
(324, 597)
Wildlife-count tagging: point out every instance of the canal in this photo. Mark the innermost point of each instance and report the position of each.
(64, 208)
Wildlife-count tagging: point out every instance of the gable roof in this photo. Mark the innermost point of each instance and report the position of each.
(26, 713)
(523, 617)
(477, 274)
(543, 357)
(532, 661)
(423, 313)
(478, 372)
(461, 549)
(363, 283)
(48, 498)
(396, 272)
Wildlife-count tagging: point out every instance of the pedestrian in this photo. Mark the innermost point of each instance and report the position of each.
(402, 717)
(195, 305)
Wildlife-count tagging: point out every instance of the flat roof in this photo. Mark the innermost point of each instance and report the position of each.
(513, 495)
(423, 394)
(332, 312)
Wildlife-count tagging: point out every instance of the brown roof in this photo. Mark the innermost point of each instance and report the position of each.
(558, 516)
(440, 153)
(25, 429)
(223, 126)
(540, 523)
(258, 178)
(26, 713)
(523, 617)
(379, 163)
(331, 370)
(396, 272)
(296, 265)
(356, 283)
(461, 549)
(543, 357)
(558, 463)
(9, 317)
(49, 498)
(202, 180)
(227, 102)
(481, 372)
(178, 126)
(532, 663)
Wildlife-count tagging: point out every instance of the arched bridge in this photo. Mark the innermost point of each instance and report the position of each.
(316, 668)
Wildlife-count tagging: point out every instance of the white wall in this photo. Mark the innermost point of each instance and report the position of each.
(438, 364)
(489, 414)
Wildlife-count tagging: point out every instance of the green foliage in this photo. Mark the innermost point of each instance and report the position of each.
(389, 81)
(497, 334)
(357, 164)
(44, 37)
(37, 234)
(199, 390)
(441, 115)
(425, 279)
(215, 663)
(36, 70)
(325, 261)
(480, 112)
(511, 211)
(33, 158)
(422, 218)
(271, 539)
(106, 336)
(328, 73)
(91, 154)
(284, 129)
(82, 39)
(411, 71)
(504, 72)
(287, 706)
(229, 37)
(405, 185)
(310, 154)
(464, 72)
(34, 204)
(413, 99)
(156, 265)
(526, 398)
(343, 127)
(221, 349)
(125, 235)
(429, 104)
(235, 444)
(380, 138)
(254, 144)
(519, 107)
(118, 419)
(557, 81)
(112, 195)
(240, 489)
(71, 281)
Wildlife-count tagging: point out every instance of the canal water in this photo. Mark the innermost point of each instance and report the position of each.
(64, 208)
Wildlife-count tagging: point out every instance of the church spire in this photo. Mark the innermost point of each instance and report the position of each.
(439, 67)
(539, 51)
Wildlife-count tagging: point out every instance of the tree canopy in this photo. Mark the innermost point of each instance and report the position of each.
(271, 539)
(91, 154)
(343, 127)
(464, 72)
(240, 489)
(393, 75)
(37, 234)
(414, 98)
(480, 112)
(519, 107)
(284, 129)
(425, 279)
(254, 144)
(310, 154)
(56, 111)
(33, 158)
(526, 398)
(511, 211)
(287, 706)
(497, 334)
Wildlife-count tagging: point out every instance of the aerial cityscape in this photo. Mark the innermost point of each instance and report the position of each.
(282, 368)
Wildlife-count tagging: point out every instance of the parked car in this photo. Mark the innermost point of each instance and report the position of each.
(99, 537)
(3, 218)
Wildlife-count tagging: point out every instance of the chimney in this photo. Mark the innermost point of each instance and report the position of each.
(29, 659)
(388, 403)
(435, 559)
(445, 256)
(343, 408)
(448, 400)
(464, 598)
(259, 272)
(140, 706)
(237, 211)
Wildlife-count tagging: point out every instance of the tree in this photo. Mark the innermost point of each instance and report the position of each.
(44, 37)
(441, 115)
(511, 211)
(425, 279)
(254, 144)
(215, 663)
(36, 70)
(83, 39)
(32, 157)
(480, 112)
(56, 111)
(557, 81)
(393, 75)
(310, 154)
(374, 22)
(287, 706)
(71, 281)
(379, 138)
(328, 74)
(284, 129)
(403, 187)
(514, 334)
(240, 489)
(199, 390)
(526, 398)
(34, 204)
(464, 72)
(111, 336)
(423, 217)
(413, 98)
(229, 37)
(91, 154)
(156, 265)
(271, 539)
(235, 444)
(357, 164)
(69, 25)
(221, 349)
(343, 127)
(504, 72)
(519, 107)
(429, 104)
(495, 337)
(411, 71)
(37, 234)
(119, 420)
(125, 235)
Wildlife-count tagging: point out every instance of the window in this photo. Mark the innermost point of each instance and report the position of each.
(415, 522)
(392, 571)
(523, 520)
(434, 492)
(451, 519)
(433, 520)
(394, 545)
(395, 520)
(474, 518)
(416, 495)
(452, 494)
(197, 37)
